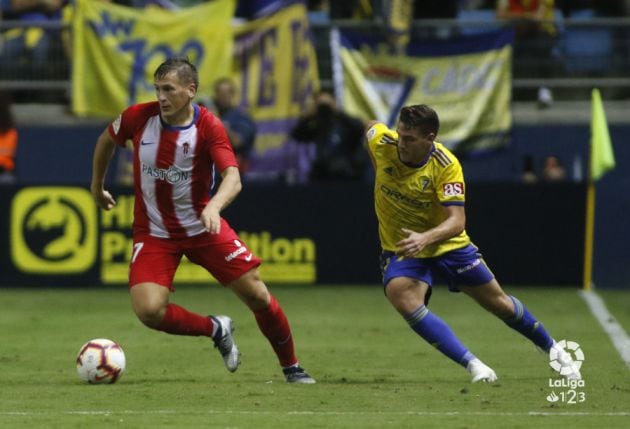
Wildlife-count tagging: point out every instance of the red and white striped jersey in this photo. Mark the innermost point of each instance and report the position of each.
(173, 167)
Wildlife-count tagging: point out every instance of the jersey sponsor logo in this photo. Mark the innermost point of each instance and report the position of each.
(171, 175)
(469, 266)
(116, 124)
(454, 189)
(240, 249)
(398, 196)
(144, 143)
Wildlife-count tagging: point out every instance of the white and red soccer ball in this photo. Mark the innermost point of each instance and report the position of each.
(100, 361)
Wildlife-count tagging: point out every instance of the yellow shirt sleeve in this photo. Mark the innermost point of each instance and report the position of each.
(451, 189)
(380, 135)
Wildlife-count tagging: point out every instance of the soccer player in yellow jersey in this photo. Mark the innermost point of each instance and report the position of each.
(419, 196)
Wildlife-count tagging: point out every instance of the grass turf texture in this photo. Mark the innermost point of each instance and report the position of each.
(372, 370)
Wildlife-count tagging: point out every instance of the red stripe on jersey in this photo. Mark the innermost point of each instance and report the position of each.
(140, 217)
(163, 189)
(200, 173)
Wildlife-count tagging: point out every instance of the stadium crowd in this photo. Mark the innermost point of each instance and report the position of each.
(33, 52)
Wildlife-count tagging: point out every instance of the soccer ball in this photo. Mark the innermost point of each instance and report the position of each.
(100, 361)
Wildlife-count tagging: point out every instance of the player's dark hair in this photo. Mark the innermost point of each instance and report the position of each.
(422, 117)
(186, 71)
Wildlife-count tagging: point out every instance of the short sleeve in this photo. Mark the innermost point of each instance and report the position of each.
(379, 135)
(122, 128)
(220, 148)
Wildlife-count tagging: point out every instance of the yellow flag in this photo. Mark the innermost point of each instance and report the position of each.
(116, 49)
(602, 155)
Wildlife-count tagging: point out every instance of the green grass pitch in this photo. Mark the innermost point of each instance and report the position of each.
(372, 370)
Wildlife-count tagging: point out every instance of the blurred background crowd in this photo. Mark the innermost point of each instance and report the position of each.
(561, 50)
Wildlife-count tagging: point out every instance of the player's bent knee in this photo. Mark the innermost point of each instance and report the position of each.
(259, 300)
(251, 290)
(257, 297)
(150, 316)
(500, 305)
(506, 307)
(149, 306)
(406, 294)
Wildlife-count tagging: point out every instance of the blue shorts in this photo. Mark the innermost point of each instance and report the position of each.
(464, 267)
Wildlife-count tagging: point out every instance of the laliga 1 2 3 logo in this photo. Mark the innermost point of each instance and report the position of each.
(566, 358)
(562, 365)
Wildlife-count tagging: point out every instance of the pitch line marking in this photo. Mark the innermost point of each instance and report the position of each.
(615, 331)
(319, 413)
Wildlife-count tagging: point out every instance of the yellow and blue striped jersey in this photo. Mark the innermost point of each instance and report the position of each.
(412, 197)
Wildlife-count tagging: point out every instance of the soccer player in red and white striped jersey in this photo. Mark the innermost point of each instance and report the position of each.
(177, 145)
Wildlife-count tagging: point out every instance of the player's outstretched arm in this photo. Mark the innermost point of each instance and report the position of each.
(103, 153)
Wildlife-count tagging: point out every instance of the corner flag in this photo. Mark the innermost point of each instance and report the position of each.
(602, 160)
(602, 155)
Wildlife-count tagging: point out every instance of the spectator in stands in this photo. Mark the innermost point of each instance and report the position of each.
(337, 137)
(13, 8)
(553, 170)
(8, 141)
(31, 44)
(397, 17)
(535, 38)
(528, 174)
(239, 125)
(350, 9)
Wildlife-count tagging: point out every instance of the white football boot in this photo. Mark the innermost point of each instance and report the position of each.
(481, 372)
(224, 341)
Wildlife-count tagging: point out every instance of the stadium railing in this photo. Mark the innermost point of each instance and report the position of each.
(33, 56)
(588, 51)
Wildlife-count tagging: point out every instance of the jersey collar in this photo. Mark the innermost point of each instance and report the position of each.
(183, 127)
(421, 164)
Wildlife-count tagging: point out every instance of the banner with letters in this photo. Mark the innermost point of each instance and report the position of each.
(276, 70)
(116, 49)
(467, 80)
(56, 236)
